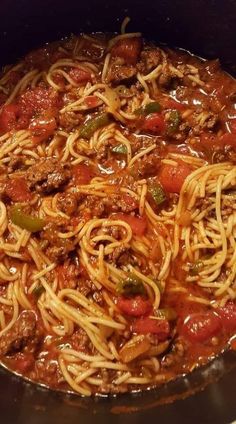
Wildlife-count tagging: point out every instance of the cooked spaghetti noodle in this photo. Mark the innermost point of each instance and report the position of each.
(117, 213)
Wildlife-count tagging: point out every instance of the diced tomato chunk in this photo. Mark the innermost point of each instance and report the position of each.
(153, 123)
(169, 103)
(59, 80)
(134, 306)
(227, 139)
(3, 98)
(38, 58)
(232, 125)
(39, 99)
(17, 190)
(145, 325)
(228, 316)
(9, 117)
(201, 326)
(42, 128)
(62, 273)
(92, 101)
(24, 362)
(14, 77)
(128, 49)
(208, 141)
(211, 142)
(138, 224)
(130, 201)
(82, 174)
(172, 177)
(80, 76)
(57, 55)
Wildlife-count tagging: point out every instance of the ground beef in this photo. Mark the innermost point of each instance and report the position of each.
(107, 205)
(60, 252)
(119, 73)
(80, 341)
(150, 58)
(67, 203)
(68, 275)
(149, 165)
(177, 352)
(227, 153)
(116, 203)
(16, 162)
(70, 120)
(56, 248)
(94, 205)
(47, 371)
(48, 175)
(122, 255)
(19, 334)
(107, 377)
(198, 125)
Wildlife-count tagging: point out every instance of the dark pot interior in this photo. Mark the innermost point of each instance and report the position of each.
(206, 28)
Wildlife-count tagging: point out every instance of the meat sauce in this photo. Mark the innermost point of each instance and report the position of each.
(192, 113)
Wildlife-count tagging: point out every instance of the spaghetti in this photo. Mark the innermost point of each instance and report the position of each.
(117, 214)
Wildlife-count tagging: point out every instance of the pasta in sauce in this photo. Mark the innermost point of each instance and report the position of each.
(117, 213)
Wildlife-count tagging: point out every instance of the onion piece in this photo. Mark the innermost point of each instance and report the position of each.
(134, 348)
(113, 98)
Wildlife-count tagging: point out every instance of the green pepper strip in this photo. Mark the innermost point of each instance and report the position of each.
(24, 221)
(93, 124)
(149, 108)
(173, 122)
(196, 268)
(38, 290)
(167, 313)
(131, 285)
(119, 149)
(157, 194)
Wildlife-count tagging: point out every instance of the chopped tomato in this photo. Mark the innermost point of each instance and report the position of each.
(62, 272)
(3, 98)
(92, 101)
(134, 306)
(153, 123)
(42, 128)
(227, 139)
(128, 49)
(169, 103)
(130, 202)
(80, 76)
(23, 362)
(156, 253)
(211, 141)
(9, 117)
(14, 77)
(233, 344)
(38, 58)
(82, 174)
(208, 141)
(57, 55)
(39, 99)
(172, 177)
(75, 220)
(228, 316)
(201, 326)
(138, 224)
(17, 190)
(145, 325)
(232, 125)
(59, 80)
